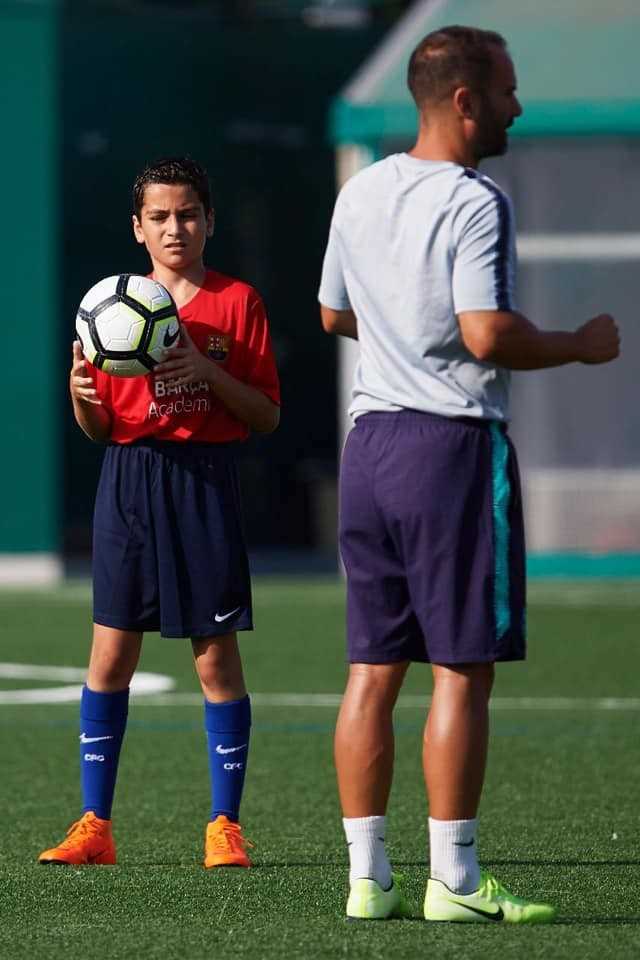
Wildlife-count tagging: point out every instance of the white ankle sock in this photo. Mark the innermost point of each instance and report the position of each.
(367, 856)
(454, 858)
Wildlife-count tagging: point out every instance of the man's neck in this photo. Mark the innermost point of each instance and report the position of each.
(440, 147)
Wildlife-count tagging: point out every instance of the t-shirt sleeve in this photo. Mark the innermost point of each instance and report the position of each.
(333, 290)
(484, 265)
(261, 365)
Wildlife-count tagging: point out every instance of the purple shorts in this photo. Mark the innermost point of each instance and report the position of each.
(432, 539)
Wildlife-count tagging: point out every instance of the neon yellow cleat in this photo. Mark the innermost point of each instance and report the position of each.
(368, 901)
(490, 903)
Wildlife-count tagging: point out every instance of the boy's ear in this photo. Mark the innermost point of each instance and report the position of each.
(137, 229)
(211, 222)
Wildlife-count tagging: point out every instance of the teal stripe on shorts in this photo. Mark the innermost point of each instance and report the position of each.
(501, 532)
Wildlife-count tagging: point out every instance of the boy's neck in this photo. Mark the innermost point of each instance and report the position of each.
(181, 284)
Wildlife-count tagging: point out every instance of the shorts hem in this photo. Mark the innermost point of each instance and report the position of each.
(201, 633)
(170, 631)
(444, 661)
(119, 623)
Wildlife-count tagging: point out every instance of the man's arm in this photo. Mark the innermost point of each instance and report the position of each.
(510, 340)
(342, 322)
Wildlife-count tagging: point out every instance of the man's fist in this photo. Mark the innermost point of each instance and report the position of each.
(598, 340)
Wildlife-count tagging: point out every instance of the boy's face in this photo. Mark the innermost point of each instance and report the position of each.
(173, 225)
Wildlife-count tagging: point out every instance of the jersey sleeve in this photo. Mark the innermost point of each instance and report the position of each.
(260, 361)
(333, 290)
(484, 265)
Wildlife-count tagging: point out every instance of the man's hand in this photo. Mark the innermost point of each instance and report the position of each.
(185, 363)
(81, 386)
(598, 339)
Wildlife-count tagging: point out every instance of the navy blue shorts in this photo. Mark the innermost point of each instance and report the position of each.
(432, 539)
(168, 545)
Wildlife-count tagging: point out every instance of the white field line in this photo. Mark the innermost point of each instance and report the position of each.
(156, 690)
(408, 701)
(143, 683)
(590, 592)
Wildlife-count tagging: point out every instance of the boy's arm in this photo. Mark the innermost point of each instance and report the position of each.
(186, 364)
(91, 416)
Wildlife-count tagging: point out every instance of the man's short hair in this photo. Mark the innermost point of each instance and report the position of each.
(182, 170)
(450, 58)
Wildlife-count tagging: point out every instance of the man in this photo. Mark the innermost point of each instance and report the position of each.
(420, 269)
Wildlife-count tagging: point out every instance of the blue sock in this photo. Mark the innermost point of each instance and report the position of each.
(103, 718)
(228, 726)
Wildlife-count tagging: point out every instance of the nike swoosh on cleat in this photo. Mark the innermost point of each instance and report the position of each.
(490, 915)
(170, 338)
(221, 749)
(85, 739)
(219, 617)
(470, 844)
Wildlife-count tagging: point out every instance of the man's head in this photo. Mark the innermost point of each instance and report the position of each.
(468, 72)
(173, 215)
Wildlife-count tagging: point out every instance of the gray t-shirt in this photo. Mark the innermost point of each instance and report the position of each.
(413, 243)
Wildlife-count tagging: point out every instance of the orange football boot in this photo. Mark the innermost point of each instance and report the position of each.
(88, 840)
(225, 845)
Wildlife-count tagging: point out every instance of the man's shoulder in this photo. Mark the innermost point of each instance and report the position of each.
(481, 186)
(361, 181)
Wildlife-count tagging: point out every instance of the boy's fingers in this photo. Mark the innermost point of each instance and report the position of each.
(168, 367)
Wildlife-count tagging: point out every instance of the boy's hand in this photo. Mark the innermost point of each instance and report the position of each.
(185, 363)
(81, 386)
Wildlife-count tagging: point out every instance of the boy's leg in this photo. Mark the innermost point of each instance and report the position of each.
(228, 725)
(103, 713)
(103, 718)
(454, 759)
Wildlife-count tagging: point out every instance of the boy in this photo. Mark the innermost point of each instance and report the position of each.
(168, 549)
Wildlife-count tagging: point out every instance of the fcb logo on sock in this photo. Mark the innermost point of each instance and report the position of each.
(218, 346)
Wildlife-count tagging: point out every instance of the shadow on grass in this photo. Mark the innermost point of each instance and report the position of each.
(564, 863)
(596, 921)
(530, 863)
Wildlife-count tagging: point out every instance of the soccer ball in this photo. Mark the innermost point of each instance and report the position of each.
(125, 323)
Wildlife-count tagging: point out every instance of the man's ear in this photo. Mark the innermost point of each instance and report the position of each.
(463, 103)
(137, 229)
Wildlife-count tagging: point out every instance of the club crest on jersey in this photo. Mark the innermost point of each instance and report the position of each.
(218, 346)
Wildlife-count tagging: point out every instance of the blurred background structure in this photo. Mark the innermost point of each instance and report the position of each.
(572, 172)
(93, 89)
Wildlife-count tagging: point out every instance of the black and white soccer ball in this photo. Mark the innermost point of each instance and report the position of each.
(125, 323)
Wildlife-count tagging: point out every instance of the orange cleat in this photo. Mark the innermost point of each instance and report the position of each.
(225, 845)
(88, 840)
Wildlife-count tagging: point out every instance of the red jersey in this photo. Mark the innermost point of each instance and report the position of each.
(226, 320)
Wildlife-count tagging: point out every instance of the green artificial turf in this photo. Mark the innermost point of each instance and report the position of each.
(559, 817)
